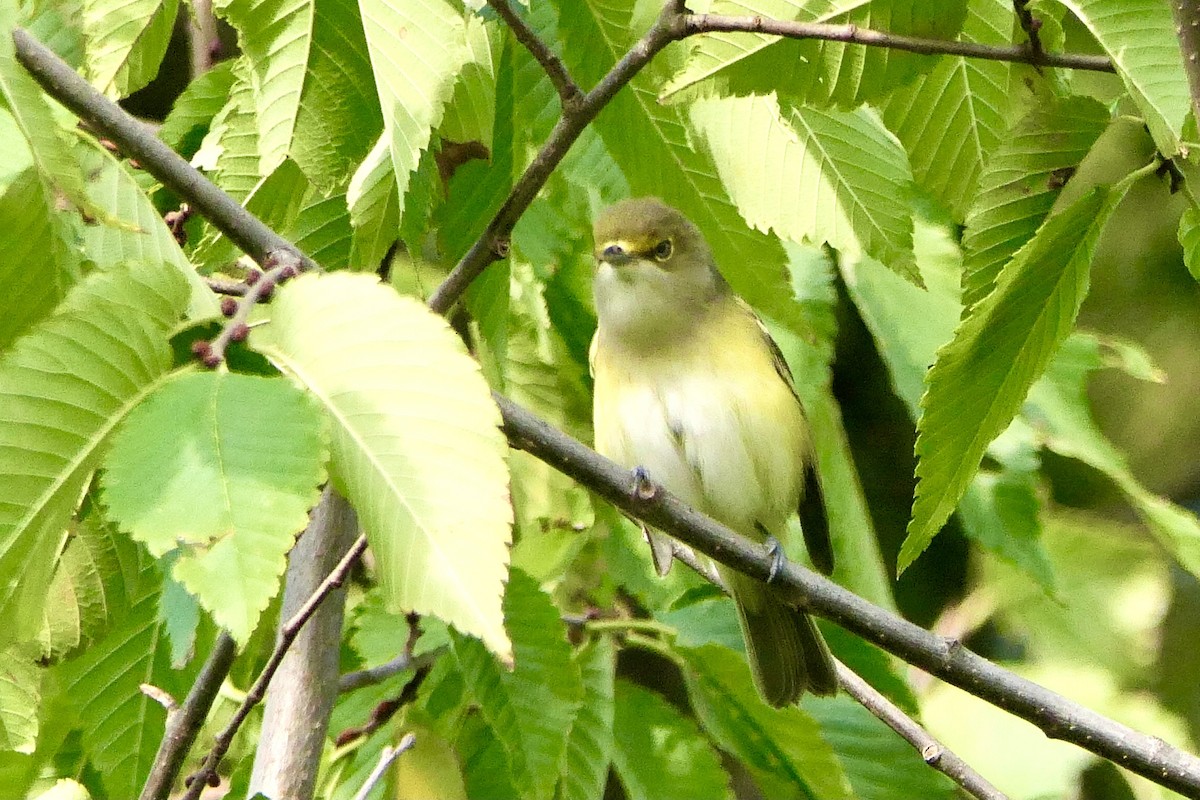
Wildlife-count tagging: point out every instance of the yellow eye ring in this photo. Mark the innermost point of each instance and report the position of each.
(663, 250)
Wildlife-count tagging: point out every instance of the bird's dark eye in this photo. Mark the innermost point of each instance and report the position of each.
(662, 250)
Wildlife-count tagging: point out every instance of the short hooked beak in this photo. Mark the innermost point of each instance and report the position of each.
(614, 254)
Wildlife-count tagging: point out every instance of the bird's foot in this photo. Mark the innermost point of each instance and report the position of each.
(643, 487)
(778, 557)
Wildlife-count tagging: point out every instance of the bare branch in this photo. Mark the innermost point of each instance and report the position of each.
(1054, 714)
(932, 751)
(282, 265)
(852, 34)
(568, 90)
(183, 726)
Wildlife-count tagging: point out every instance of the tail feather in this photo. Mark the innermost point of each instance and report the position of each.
(787, 653)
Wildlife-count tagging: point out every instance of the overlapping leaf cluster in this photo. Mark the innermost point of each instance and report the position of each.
(147, 503)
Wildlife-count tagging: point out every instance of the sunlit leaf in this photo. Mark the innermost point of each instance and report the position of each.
(125, 41)
(414, 441)
(20, 697)
(223, 467)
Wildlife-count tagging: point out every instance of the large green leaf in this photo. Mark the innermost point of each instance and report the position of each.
(812, 71)
(590, 743)
(1059, 409)
(1020, 184)
(1139, 37)
(417, 48)
(313, 91)
(322, 230)
(782, 747)
(651, 144)
(660, 754)
(374, 207)
(531, 708)
(982, 376)
(230, 148)
(950, 119)
(125, 41)
(1000, 508)
(813, 175)
(221, 469)
(415, 442)
(64, 386)
(193, 111)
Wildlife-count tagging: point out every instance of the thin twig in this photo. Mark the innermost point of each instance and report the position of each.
(852, 34)
(568, 91)
(183, 726)
(401, 663)
(287, 634)
(386, 758)
(282, 265)
(932, 751)
(387, 709)
(1187, 30)
(230, 288)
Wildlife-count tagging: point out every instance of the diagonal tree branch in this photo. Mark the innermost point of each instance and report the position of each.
(568, 91)
(852, 34)
(1054, 714)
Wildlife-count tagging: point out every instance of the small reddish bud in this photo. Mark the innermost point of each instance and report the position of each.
(252, 276)
(1035, 25)
(228, 306)
(267, 290)
(201, 348)
(211, 360)
(135, 164)
(287, 272)
(239, 332)
(214, 779)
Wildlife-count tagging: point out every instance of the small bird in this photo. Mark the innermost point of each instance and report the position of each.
(691, 388)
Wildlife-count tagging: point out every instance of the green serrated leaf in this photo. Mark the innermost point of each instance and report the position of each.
(91, 589)
(194, 111)
(982, 376)
(322, 231)
(133, 230)
(374, 207)
(415, 442)
(532, 708)
(950, 119)
(64, 386)
(20, 698)
(314, 97)
(223, 467)
(122, 726)
(813, 72)
(417, 48)
(1020, 183)
(782, 747)
(1139, 37)
(230, 148)
(125, 41)
(34, 262)
(1059, 408)
(812, 175)
(660, 754)
(591, 741)
(471, 111)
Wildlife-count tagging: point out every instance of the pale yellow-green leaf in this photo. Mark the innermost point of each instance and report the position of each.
(415, 443)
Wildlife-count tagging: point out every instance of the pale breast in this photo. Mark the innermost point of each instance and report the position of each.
(724, 433)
